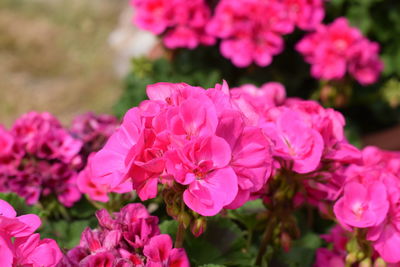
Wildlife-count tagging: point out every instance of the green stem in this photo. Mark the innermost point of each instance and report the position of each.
(267, 237)
(249, 238)
(94, 203)
(180, 235)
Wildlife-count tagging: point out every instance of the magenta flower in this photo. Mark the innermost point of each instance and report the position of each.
(328, 258)
(295, 141)
(255, 102)
(306, 14)
(365, 64)
(93, 130)
(335, 49)
(251, 30)
(98, 188)
(181, 22)
(251, 155)
(128, 238)
(203, 165)
(159, 252)
(11, 225)
(19, 246)
(385, 239)
(362, 205)
(43, 160)
(31, 251)
(6, 143)
(108, 167)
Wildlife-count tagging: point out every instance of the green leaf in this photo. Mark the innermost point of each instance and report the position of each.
(82, 209)
(247, 213)
(303, 251)
(66, 233)
(169, 227)
(222, 243)
(212, 265)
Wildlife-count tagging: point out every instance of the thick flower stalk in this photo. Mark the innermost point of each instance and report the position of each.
(130, 237)
(19, 245)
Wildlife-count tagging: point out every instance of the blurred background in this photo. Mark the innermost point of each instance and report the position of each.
(72, 56)
(55, 56)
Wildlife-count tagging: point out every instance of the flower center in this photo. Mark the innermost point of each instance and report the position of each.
(358, 209)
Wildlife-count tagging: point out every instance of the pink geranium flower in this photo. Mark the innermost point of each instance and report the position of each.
(19, 246)
(328, 258)
(306, 14)
(31, 251)
(251, 30)
(365, 64)
(203, 165)
(295, 141)
(6, 142)
(43, 160)
(182, 22)
(254, 102)
(98, 188)
(109, 166)
(159, 251)
(251, 155)
(127, 238)
(11, 225)
(362, 205)
(335, 49)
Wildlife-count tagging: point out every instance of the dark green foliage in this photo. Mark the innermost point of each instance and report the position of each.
(223, 244)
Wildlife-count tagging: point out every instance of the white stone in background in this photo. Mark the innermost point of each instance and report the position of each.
(127, 41)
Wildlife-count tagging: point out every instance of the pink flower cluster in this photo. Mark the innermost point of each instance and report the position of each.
(304, 135)
(19, 245)
(130, 237)
(38, 157)
(336, 49)
(306, 139)
(371, 201)
(182, 22)
(252, 30)
(93, 130)
(96, 183)
(189, 136)
(334, 257)
(219, 145)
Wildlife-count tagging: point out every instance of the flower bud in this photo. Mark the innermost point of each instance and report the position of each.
(360, 256)
(198, 226)
(286, 241)
(351, 258)
(173, 210)
(366, 263)
(379, 262)
(184, 218)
